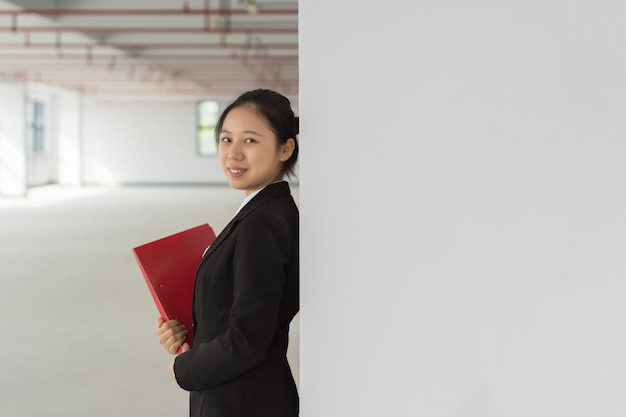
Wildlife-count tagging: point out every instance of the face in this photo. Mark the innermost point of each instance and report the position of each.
(249, 152)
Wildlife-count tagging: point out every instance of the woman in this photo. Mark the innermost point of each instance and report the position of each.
(247, 284)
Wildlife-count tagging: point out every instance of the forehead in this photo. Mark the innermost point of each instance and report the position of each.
(245, 117)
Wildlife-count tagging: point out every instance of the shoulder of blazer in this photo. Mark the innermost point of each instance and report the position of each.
(272, 191)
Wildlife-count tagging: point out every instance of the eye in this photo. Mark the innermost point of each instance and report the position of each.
(250, 140)
(225, 139)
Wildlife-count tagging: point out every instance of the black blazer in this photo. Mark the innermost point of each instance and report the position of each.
(246, 294)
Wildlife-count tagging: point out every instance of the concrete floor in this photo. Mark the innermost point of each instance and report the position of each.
(77, 331)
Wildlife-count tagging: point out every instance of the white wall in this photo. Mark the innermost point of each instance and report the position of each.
(135, 141)
(67, 112)
(143, 142)
(109, 141)
(462, 209)
(12, 140)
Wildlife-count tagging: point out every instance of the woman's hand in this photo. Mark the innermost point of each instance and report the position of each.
(184, 349)
(171, 334)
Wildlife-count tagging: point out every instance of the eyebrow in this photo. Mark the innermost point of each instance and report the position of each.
(245, 132)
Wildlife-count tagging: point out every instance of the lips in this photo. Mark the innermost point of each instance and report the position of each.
(236, 171)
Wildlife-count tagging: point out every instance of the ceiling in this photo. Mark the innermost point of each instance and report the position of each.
(139, 48)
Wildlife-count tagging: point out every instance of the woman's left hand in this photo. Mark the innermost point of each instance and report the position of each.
(184, 348)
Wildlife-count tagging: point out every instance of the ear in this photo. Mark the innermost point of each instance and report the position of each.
(286, 149)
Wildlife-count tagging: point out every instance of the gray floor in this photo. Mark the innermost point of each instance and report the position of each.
(78, 323)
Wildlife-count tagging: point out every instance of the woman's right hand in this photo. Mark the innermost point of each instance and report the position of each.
(171, 334)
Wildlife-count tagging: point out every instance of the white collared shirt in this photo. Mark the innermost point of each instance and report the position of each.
(243, 204)
(247, 199)
(251, 196)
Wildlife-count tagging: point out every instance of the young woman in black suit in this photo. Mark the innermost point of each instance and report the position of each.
(247, 284)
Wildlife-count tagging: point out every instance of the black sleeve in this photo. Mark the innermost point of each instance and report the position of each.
(262, 254)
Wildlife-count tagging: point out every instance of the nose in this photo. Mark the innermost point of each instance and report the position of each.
(234, 152)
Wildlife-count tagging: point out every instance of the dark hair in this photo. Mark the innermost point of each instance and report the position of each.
(276, 110)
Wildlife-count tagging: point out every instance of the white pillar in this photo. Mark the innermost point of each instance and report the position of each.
(462, 201)
(69, 139)
(12, 140)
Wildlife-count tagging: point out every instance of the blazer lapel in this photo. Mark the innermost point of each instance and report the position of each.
(220, 238)
(268, 193)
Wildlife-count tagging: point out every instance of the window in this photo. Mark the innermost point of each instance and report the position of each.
(35, 127)
(208, 113)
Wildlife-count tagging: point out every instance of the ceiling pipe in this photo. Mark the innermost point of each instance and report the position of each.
(177, 46)
(101, 75)
(145, 58)
(101, 69)
(148, 12)
(135, 86)
(151, 82)
(110, 30)
(209, 71)
(120, 77)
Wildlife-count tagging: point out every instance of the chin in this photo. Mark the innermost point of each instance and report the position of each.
(235, 186)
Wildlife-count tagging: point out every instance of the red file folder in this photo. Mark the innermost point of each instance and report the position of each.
(169, 267)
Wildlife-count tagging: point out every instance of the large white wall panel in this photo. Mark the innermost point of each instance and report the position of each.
(143, 142)
(462, 209)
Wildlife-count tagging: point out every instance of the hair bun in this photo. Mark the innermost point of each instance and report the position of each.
(296, 124)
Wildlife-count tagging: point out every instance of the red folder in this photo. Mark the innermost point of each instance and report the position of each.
(169, 267)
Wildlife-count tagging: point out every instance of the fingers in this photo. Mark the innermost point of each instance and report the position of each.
(173, 347)
(175, 333)
(171, 334)
(168, 323)
(173, 344)
(168, 327)
(185, 347)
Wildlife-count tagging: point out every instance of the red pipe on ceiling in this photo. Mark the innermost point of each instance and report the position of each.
(146, 58)
(149, 12)
(108, 30)
(173, 45)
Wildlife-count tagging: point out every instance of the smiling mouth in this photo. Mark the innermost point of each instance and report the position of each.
(236, 171)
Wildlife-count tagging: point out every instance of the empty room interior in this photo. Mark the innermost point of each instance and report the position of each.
(107, 117)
